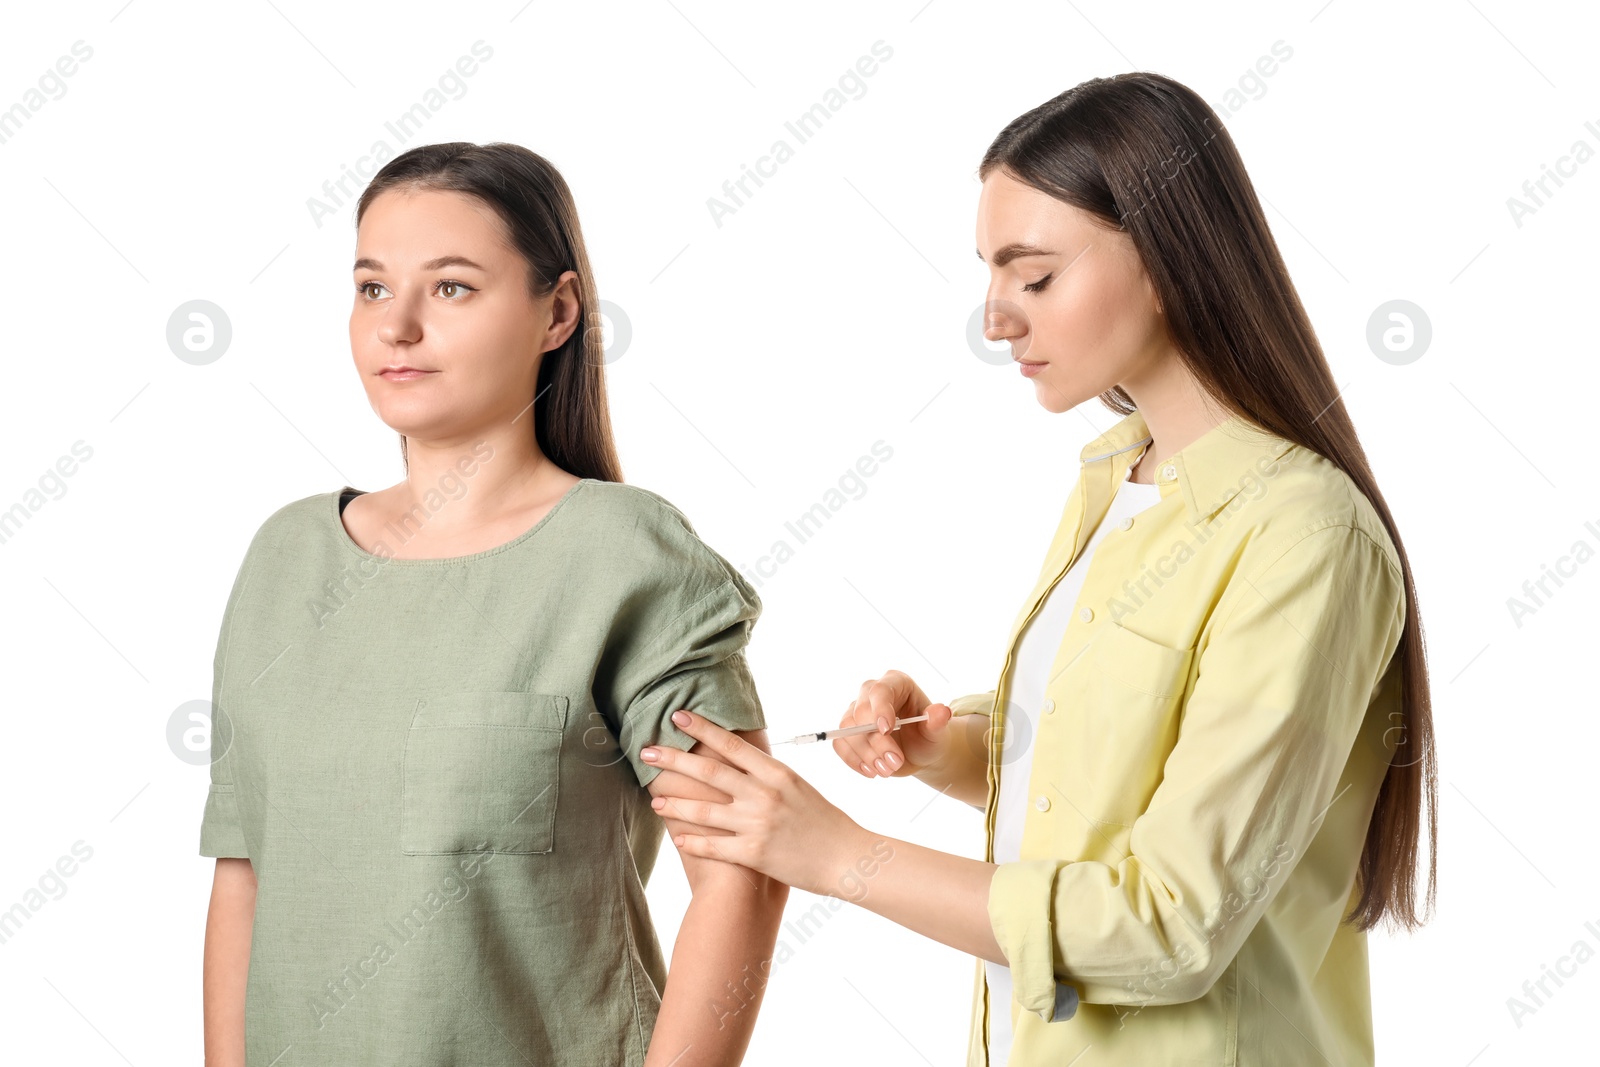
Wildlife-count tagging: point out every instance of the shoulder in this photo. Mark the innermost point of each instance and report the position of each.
(624, 498)
(1304, 496)
(649, 535)
(290, 521)
(281, 535)
(632, 510)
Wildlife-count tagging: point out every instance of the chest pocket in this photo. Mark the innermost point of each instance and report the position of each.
(481, 773)
(1129, 721)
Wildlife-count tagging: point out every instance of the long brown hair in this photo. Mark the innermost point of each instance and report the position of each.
(1148, 156)
(571, 418)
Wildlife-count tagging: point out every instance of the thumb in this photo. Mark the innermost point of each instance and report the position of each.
(939, 716)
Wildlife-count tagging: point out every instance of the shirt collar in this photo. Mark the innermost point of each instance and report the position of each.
(1209, 471)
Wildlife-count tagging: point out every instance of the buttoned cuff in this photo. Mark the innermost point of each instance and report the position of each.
(1021, 898)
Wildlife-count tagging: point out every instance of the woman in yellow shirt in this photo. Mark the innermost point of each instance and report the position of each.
(1231, 768)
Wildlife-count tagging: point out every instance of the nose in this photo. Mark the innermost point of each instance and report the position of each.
(400, 323)
(1003, 321)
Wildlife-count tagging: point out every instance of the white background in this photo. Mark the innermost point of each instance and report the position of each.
(767, 355)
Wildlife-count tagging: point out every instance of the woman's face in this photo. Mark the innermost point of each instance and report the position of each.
(1070, 295)
(440, 289)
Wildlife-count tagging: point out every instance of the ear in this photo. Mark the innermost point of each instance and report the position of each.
(566, 307)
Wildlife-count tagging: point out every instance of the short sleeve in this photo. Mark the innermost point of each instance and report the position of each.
(696, 662)
(221, 830)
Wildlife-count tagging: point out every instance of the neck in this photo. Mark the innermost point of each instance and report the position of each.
(1176, 412)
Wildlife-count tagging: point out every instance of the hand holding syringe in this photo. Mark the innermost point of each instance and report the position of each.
(944, 751)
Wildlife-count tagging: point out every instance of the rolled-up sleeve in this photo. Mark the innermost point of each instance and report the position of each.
(695, 661)
(1283, 686)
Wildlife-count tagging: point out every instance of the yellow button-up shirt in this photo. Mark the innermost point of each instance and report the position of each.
(1221, 712)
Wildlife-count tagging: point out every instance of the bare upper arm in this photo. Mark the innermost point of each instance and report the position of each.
(234, 874)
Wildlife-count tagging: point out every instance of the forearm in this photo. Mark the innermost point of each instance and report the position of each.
(721, 963)
(963, 773)
(230, 920)
(937, 894)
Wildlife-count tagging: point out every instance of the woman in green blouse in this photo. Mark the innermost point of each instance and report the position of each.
(430, 818)
(1230, 769)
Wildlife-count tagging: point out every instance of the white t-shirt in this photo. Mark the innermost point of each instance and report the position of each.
(1030, 673)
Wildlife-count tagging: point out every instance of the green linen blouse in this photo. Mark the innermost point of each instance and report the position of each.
(433, 767)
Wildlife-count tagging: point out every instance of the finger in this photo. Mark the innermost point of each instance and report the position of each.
(727, 849)
(856, 751)
(885, 698)
(676, 825)
(700, 812)
(915, 742)
(725, 743)
(853, 754)
(939, 716)
(727, 747)
(707, 770)
(861, 714)
(869, 711)
(680, 786)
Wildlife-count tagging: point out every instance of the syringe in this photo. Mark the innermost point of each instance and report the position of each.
(847, 731)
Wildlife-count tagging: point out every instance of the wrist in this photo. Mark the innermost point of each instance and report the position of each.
(950, 764)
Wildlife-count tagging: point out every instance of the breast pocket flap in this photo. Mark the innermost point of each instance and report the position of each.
(1151, 668)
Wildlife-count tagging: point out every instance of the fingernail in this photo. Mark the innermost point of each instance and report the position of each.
(892, 760)
(649, 754)
(658, 803)
(883, 725)
(866, 770)
(681, 718)
(879, 764)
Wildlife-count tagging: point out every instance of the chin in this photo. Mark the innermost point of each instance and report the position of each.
(409, 419)
(1054, 400)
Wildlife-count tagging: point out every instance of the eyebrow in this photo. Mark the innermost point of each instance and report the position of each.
(1016, 250)
(432, 264)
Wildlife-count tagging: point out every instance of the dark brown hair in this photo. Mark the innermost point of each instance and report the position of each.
(1147, 156)
(571, 418)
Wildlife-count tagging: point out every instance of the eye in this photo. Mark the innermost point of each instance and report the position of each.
(458, 289)
(1034, 287)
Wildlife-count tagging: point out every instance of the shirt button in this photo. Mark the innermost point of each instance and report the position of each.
(1127, 524)
(1169, 471)
(1086, 614)
(1042, 803)
(1048, 706)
